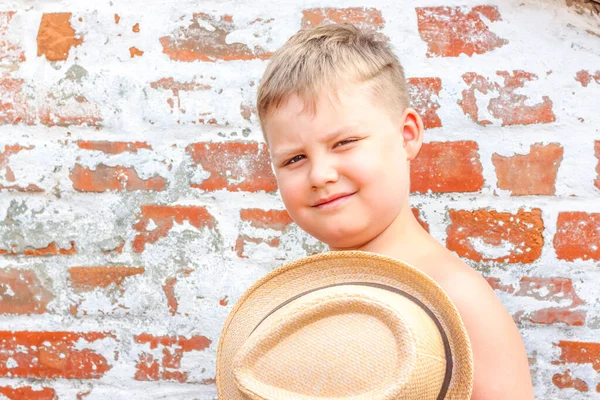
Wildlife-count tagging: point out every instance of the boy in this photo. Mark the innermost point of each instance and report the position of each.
(335, 113)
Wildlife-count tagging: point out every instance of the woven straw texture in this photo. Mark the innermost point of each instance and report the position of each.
(369, 368)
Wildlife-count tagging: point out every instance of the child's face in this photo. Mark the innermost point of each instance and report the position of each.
(343, 173)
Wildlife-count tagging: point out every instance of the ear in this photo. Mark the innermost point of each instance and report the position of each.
(412, 133)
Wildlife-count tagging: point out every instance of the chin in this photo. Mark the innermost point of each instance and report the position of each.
(348, 241)
(345, 234)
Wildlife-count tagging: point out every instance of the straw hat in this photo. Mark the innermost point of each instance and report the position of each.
(344, 325)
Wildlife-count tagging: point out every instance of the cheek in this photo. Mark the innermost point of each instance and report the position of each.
(290, 189)
(369, 166)
(382, 170)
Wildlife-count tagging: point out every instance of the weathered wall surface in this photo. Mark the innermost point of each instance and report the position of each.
(137, 202)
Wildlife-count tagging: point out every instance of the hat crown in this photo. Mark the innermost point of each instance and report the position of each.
(351, 341)
(274, 294)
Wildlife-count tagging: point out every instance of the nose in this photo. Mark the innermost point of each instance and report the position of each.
(322, 172)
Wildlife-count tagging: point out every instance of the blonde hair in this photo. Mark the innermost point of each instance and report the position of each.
(325, 57)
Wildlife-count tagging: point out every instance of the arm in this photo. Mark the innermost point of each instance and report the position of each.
(500, 359)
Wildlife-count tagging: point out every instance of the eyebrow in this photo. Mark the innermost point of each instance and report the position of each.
(287, 152)
(338, 132)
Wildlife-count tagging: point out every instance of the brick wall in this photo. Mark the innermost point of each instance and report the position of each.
(137, 202)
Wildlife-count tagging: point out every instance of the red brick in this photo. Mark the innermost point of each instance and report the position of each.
(549, 289)
(164, 217)
(14, 106)
(82, 395)
(278, 220)
(135, 52)
(113, 147)
(196, 42)
(549, 316)
(66, 109)
(234, 166)
(69, 108)
(577, 236)
(509, 106)
(597, 150)
(56, 36)
(530, 174)
(447, 167)
(517, 238)
(168, 367)
(196, 101)
(422, 92)
(256, 228)
(51, 355)
(8, 172)
(105, 178)
(367, 19)
(28, 393)
(73, 109)
(566, 381)
(585, 77)
(9, 52)
(450, 31)
(552, 289)
(85, 279)
(266, 219)
(579, 353)
(51, 250)
(176, 87)
(107, 281)
(496, 284)
(243, 240)
(169, 289)
(21, 292)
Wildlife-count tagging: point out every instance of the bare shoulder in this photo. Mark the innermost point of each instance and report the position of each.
(500, 359)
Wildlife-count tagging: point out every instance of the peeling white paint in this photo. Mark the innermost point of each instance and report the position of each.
(11, 363)
(491, 251)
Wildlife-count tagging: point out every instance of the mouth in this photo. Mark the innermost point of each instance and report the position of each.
(332, 200)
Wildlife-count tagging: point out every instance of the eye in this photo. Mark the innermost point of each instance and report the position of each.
(293, 160)
(344, 142)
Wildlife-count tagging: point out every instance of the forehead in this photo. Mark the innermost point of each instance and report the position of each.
(348, 105)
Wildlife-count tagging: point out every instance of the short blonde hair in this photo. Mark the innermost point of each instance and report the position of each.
(325, 57)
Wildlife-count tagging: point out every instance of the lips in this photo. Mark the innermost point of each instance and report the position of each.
(331, 199)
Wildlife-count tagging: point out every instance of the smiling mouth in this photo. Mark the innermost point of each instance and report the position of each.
(333, 201)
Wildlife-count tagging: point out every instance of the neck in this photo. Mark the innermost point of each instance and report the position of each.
(404, 238)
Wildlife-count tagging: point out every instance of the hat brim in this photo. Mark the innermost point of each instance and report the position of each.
(329, 268)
